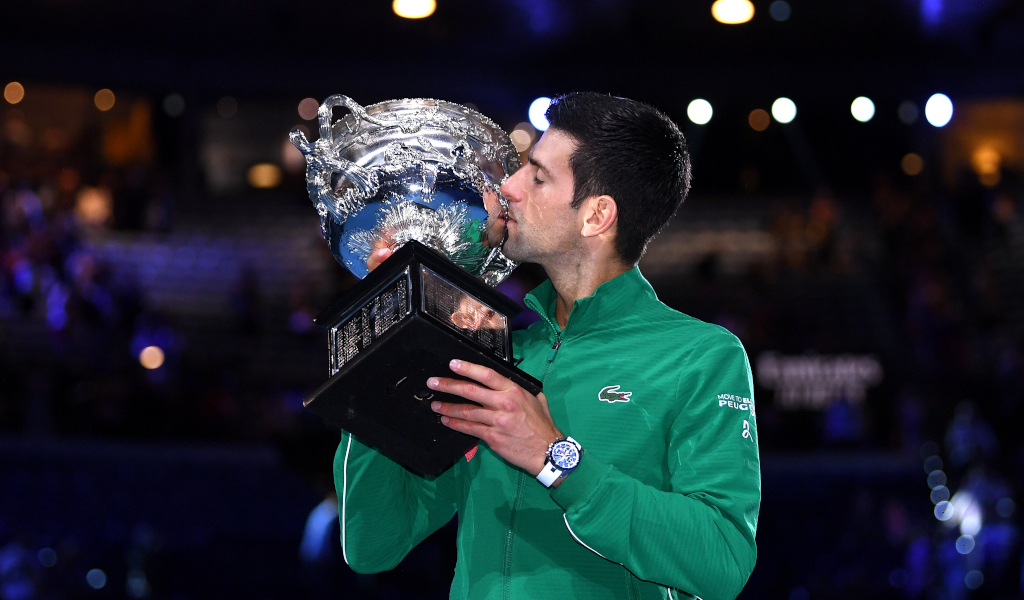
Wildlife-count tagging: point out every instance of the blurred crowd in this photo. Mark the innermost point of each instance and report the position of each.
(75, 329)
(929, 280)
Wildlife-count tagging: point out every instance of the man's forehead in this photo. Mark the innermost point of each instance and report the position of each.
(553, 150)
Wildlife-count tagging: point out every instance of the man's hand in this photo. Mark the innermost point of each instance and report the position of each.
(514, 423)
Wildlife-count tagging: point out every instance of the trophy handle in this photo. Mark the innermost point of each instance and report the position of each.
(323, 160)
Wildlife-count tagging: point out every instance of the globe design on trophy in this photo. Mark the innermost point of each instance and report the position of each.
(421, 177)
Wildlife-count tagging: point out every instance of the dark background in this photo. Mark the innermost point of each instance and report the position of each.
(136, 227)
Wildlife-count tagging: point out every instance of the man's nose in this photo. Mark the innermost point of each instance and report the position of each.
(510, 187)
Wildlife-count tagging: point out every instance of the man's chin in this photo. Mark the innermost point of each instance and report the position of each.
(511, 252)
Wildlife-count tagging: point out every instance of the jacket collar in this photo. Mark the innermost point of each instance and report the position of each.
(611, 301)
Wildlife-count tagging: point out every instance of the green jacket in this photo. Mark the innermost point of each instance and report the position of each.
(665, 497)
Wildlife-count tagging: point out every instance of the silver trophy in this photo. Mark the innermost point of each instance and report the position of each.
(420, 177)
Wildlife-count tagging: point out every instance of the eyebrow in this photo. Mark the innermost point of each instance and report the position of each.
(533, 161)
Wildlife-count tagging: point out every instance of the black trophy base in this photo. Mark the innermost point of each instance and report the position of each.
(380, 394)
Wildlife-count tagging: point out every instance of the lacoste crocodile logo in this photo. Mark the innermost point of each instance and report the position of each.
(612, 394)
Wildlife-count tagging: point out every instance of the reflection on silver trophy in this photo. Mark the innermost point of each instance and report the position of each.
(420, 177)
(411, 169)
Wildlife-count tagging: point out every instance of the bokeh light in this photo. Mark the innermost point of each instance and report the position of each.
(96, 578)
(912, 164)
(174, 105)
(784, 110)
(104, 99)
(908, 112)
(759, 119)
(940, 494)
(94, 206)
(971, 522)
(14, 92)
(536, 113)
(938, 110)
(308, 108)
(137, 585)
(974, 579)
(521, 140)
(1005, 507)
(151, 357)
(780, 10)
(944, 511)
(528, 128)
(699, 111)
(227, 107)
(414, 9)
(732, 12)
(47, 557)
(862, 109)
(986, 162)
(292, 160)
(264, 175)
(964, 544)
(936, 478)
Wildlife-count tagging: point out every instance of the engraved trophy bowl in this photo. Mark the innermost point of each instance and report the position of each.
(421, 177)
(409, 169)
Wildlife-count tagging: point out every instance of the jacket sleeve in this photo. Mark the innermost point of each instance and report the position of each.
(697, 536)
(385, 510)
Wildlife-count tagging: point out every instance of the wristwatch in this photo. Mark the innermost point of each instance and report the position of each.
(562, 457)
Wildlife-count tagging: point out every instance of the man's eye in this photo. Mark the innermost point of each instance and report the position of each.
(537, 181)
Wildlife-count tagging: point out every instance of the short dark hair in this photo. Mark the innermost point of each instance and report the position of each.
(631, 152)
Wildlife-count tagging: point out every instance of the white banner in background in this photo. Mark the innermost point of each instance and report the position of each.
(814, 382)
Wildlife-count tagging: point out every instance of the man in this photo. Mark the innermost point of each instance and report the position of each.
(658, 488)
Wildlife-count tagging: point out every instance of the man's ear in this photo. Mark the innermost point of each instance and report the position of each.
(599, 215)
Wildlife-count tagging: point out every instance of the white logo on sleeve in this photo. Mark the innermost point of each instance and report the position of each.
(737, 403)
(746, 430)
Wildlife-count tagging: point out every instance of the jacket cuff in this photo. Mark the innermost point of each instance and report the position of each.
(578, 486)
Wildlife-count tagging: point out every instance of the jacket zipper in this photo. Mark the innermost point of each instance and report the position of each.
(517, 499)
(510, 537)
(551, 355)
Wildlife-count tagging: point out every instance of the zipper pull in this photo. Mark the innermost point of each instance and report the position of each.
(554, 349)
(551, 356)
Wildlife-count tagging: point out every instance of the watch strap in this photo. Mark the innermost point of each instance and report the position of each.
(549, 474)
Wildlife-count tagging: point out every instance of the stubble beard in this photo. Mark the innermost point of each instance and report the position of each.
(523, 247)
(515, 249)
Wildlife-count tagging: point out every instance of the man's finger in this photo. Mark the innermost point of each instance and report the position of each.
(476, 430)
(485, 375)
(377, 257)
(467, 389)
(464, 412)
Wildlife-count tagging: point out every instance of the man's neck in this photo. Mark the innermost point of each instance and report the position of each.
(579, 280)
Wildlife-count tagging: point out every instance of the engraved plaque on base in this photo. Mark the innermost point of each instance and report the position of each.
(397, 327)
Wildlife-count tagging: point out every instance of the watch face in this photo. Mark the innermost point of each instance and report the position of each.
(565, 455)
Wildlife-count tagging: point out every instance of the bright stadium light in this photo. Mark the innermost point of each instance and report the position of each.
(862, 109)
(537, 109)
(414, 9)
(938, 110)
(784, 110)
(699, 111)
(732, 12)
